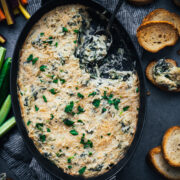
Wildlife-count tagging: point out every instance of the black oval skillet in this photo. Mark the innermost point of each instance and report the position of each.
(132, 56)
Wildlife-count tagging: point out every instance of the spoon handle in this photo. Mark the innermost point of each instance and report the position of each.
(114, 14)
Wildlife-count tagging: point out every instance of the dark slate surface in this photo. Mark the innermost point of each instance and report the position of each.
(163, 110)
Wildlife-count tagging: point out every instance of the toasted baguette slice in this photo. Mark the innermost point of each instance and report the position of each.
(156, 158)
(154, 36)
(149, 74)
(163, 15)
(140, 2)
(171, 146)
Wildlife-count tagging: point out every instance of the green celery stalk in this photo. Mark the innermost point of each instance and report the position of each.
(2, 56)
(5, 109)
(5, 70)
(8, 125)
(4, 91)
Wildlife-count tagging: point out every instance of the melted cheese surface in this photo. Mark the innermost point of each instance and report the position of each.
(83, 125)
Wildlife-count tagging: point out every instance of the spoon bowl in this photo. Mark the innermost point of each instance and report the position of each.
(107, 31)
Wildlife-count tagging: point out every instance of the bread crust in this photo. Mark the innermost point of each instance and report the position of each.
(164, 142)
(140, 2)
(152, 152)
(149, 75)
(165, 15)
(151, 23)
(147, 18)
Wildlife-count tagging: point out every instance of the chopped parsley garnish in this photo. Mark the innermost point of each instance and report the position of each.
(56, 44)
(82, 170)
(68, 122)
(34, 60)
(90, 153)
(108, 134)
(80, 110)
(48, 130)
(69, 167)
(104, 110)
(52, 116)
(39, 126)
(87, 143)
(69, 159)
(64, 29)
(75, 41)
(96, 102)
(76, 31)
(77, 88)
(42, 68)
(36, 108)
(52, 91)
(62, 81)
(111, 101)
(92, 94)
(50, 76)
(80, 121)
(42, 34)
(125, 108)
(44, 97)
(74, 132)
(80, 95)
(42, 137)
(28, 123)
(121, 113)
(116, 103)
(58, 154)
(69, 108)
(137, 90)
(49, 42)
(55, 81)
(30, 58)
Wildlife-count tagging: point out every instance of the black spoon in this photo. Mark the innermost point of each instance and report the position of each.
(107, 32)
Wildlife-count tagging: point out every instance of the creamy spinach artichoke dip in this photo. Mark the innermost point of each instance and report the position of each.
(79, 119)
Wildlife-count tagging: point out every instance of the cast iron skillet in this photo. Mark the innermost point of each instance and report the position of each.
(131, 55)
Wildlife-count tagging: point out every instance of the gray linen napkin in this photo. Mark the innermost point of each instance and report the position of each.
(13, 150)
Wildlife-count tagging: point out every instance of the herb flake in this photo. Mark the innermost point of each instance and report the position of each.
(68, 122)
(42, 138)
(92, 94)
(74, 132)
(82, 170)
(36, 108)
(126, 108)
(96, 102)
(80, 95)
(44, 97)
(42, 68)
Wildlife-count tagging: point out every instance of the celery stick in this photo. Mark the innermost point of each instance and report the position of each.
(8, 125)
(5, 109)
(2, 56)
(5, 70)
